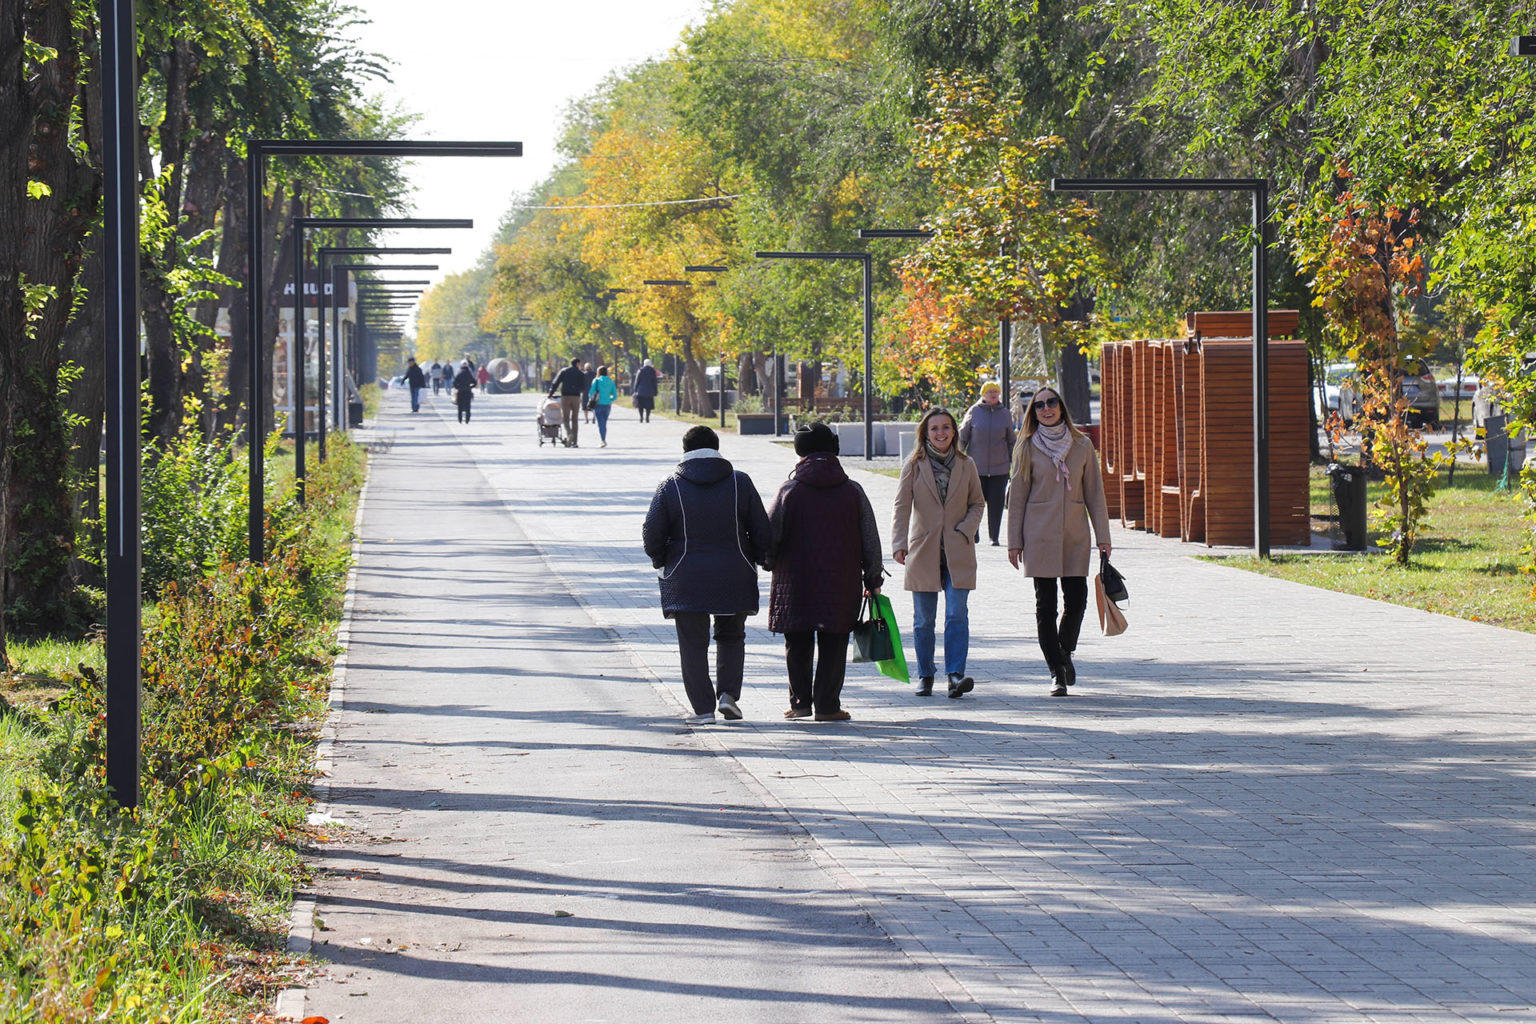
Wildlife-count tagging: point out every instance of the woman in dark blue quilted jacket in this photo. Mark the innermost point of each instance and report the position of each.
(825, 556)
(706, 531)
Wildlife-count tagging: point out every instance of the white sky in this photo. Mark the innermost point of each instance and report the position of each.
(491, 70)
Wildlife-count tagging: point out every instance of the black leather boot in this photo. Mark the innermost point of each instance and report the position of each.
(925, 686)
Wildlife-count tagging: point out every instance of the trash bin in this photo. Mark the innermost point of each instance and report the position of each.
(1496, 441)
(355, 413)
(1349, 495)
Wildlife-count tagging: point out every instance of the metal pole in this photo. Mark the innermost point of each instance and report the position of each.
(869, 360)
(1261, 509)
(320, 402)
(1004, 351)
(341, 420)
(778, 388)
(120, 252)
(296, 363)
(256, 187)
(722, 390)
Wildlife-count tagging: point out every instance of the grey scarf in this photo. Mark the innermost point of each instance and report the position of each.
(942, 463)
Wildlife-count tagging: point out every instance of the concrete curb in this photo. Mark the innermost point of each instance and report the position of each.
(289, 1004)
(968, 1009)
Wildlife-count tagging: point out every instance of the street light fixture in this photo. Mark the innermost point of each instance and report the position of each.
(1258, 190)
(301, 226)
(1522, 46)
(869, 331)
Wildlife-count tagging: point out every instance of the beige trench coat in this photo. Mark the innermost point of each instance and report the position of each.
(922, 525)
(1048, 522)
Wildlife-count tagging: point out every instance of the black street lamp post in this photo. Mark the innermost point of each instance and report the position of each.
(869, 330)
(257, 152)
(120, 255)
(1258, 191)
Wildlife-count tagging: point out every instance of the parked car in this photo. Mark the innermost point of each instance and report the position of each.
(1448, 388)
(1418, 386)
(1335, 376)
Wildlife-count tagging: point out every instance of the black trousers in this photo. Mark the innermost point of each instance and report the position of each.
(464, 413)
(995, 490)
(730, 657)
(823, 689)
(1054, 638)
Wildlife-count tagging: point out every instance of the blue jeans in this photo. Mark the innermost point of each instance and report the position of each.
(415, 399)
(601, 411)
(957, 626)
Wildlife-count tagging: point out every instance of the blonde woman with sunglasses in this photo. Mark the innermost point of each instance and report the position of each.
(1055, 490)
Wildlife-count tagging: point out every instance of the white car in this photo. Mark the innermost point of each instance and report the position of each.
(1335, 390)
(1447, 387)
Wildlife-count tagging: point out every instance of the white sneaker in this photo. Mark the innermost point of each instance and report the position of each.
(708, 718)
(728, 708)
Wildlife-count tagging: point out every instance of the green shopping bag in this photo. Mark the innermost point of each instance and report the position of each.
(895, 667)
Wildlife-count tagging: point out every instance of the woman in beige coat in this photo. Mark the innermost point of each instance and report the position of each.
(1054, 491)
(939, 504)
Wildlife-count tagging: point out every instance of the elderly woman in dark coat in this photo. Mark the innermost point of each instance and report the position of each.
(707, 531)
(825, 556)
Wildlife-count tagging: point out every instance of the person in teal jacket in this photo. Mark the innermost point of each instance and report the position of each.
(601, 397)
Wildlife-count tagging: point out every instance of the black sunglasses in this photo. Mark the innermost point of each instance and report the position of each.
(1048, 403)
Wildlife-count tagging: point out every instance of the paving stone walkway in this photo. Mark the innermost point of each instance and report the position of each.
(1263, 802)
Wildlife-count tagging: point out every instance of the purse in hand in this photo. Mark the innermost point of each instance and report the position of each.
(872, 637)
(1108, 589)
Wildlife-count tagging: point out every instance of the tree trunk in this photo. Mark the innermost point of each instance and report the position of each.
(15, 132)
(278, 246)
(39, 588)
(167, 383)
(1071, 364)
(232, 257)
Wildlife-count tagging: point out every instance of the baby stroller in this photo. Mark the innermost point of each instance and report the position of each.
(549, 424)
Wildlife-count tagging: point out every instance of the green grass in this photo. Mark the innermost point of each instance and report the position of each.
(1467, 565)
(712, 420)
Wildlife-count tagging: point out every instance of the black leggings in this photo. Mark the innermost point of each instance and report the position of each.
(995, 490)
(1056, 639)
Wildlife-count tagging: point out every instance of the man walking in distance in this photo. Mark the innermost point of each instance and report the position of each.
(572, 388)
(415, 380)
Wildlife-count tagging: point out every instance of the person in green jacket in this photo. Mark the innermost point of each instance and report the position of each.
(601, 397)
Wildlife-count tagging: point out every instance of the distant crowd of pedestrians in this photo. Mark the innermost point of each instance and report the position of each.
(707, 532)
(462, 381)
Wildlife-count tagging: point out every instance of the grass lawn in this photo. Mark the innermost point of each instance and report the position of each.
(1467, 565)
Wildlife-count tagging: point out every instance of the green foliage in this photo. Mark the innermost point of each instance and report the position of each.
(194, 509)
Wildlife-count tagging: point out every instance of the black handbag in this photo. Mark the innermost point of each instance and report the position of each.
(872, 637)
(1114, 583)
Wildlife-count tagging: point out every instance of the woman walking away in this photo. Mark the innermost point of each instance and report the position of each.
(938, 509)
(463, 390)
(705, 531)
(1055, 490)
(825, 556)
(601, 397)
(645, 391)
(437, 376)
(987, 436)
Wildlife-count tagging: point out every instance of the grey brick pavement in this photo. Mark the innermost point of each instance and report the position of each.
(1252, 808)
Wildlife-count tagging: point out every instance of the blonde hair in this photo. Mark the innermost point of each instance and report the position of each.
(920, 448)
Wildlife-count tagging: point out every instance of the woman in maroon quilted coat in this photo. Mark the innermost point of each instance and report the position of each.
(825, 555)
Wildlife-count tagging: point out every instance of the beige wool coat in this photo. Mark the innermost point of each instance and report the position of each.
(1048, 522)
(923, 525)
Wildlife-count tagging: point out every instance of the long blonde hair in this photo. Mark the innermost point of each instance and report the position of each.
(920, 448)
(1032, 424)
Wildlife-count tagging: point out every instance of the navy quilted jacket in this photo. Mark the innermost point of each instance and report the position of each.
(706, 531)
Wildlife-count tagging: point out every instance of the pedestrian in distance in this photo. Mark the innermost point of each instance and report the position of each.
(601, 397)
(987, 435)
(464, 390)
(570, 384)
(939, 504)
(645, 391)
(825, 555)
(1055, 491)
(483, 378)
(588, 375)
(437, 376)
(415, 380)
(706, 531)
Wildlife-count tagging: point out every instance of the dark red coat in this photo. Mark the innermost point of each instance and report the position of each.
(826, 549)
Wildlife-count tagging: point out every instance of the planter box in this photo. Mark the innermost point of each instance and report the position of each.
(759, 423)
